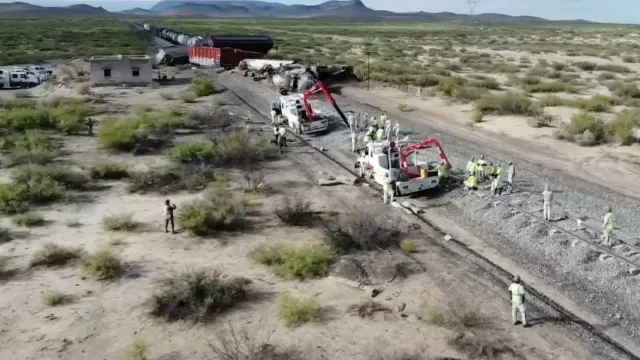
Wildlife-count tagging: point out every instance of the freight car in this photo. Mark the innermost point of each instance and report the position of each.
(227, 58)
(253, 43)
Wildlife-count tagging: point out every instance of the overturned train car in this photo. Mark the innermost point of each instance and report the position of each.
(253, 43)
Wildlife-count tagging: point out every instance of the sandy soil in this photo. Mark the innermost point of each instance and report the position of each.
(104, 317)
(514, 134)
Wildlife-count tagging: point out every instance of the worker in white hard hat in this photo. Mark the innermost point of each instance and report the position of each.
(387, 189)
(516, 295)
(282, 138)
(607, 227)
(273, 116)
(511, 173)
(380, 134)
(374, 122)
(547, 199)
(396, 130)
(471, 166)
(366, 122)
(276, 132)
(352, 121)
(496, 185)
(354, 140)
(383, 118)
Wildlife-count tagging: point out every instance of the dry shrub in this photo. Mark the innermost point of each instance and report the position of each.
(198, 295)
(211, 118)
(109, 171)
(295, 211)
(51, 254)
(584, 129)
(439, 315)
(367, 309)
(55, 298)
(122, 222)
(510, 103)
(435, 314)
(482, 347)
(408, 246)
(253, 178)
(137, 350)
(295, 261)
(296, 311)
(165, 181)
(232, 344)
(28, 220)
(358, 230)
(103, 265)
(5, 272)
(220, 211)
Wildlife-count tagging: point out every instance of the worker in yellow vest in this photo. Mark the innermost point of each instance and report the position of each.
(516, 295)
(608, 225)
(442, 170)
(480, 167)
(471, 183)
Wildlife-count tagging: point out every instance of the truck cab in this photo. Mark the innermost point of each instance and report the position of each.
(292, 110)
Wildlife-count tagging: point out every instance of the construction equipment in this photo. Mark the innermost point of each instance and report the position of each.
(299, 115)
(407, 164)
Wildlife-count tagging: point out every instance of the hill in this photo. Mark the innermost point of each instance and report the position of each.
(22, 8)
(138, 11)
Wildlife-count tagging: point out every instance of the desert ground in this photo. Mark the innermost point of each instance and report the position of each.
(88, 271)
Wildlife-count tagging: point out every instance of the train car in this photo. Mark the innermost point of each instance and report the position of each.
(227, 58)
(253, 43)
(147, 27)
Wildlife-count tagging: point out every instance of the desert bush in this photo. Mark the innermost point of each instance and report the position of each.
(238, 148)
(296, 311)
(551, 87)
(21, 94)
(622, 129)
(83, 88)
(109, 171)
(621, 69)
(198, 295)
(32, 147)
(476, 116)
(5, 271)
(541, 120)
(137, 350)
(27, 118)
(122, 222)
(253, 178)
(202, 87)
(167, 96)
(295, 261)
(448, 85)
(166, 181)
(552, 100)
(506, 104)
(606, 76)
(558, 66)
(585, 65)
(103, 265)
(18, 104)
(164, 119)
(584, 129)
(486, 83)
(231, 344)
(15, 197)
(192, 153)
(219, 213)
(188, 97)
(628, 58)
(27, 220)
(481, 347)
(71, 118)
(468, 93)
(625, 91)
(361, 231)
(51, 254)
(55, 298)
(33, 173)
(408, 246)
(434, 314)
(294, 211)
(403, 107)
(597, 103)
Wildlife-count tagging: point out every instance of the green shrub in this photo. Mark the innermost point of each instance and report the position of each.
(622, 129)
(51, 254)
(614, 68)
(15, 197)
(198, 295)
(21, 119)
(188, 97)
(165, 119)
(122, 222)
(506, 104)
(27, 220)
(83, 88)
(32, 147)
(166, 181)
(137, 350)
(103, 265)
(296, 311)
(434, 314)
(71, 118)
(202, 87)
(552, 100)
(239, 148)
(294, 211)
(597, 103)
(408, 246)
(295, 261)
(585, 65)
(551, 87)
(192, 153)
(18, 104)
(584, 129)
(33, 173)
(122, 134)
(203, 217)
(109, 171)
(468, 93)
(55, 298)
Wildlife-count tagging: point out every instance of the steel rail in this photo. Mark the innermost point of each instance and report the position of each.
(542, 297)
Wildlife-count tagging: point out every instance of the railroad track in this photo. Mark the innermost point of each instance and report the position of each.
(576, 320)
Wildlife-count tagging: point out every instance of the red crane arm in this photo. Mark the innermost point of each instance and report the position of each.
(319, 86)
(426, 144)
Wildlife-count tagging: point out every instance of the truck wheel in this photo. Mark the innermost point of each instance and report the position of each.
(283, 91)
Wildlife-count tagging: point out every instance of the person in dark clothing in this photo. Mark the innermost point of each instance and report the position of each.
(89, 123)
(168, 216)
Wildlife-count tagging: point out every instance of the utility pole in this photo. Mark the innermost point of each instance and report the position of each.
(472, 7)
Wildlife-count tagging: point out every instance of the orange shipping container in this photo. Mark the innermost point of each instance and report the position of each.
(215, 57)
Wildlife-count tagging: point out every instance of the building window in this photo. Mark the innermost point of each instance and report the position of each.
(106, 73)
(135, 72)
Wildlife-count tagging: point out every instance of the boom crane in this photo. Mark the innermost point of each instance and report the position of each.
(319, 87)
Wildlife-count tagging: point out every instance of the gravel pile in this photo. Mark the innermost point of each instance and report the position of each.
(600, 286)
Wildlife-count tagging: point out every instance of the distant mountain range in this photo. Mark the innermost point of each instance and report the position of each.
(347, 9)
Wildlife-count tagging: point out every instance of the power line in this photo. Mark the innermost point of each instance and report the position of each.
(472, 6)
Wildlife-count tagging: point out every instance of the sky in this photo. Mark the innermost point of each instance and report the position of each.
(616, 11)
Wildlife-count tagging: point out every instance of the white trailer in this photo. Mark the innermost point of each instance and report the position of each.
(15, 78)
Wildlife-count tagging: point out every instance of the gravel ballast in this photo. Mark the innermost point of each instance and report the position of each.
(605, 287)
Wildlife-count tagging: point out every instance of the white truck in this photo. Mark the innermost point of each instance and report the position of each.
(18, 78)
(411, 171)
(291, 110)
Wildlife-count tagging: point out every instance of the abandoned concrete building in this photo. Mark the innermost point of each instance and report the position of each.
(132, 70)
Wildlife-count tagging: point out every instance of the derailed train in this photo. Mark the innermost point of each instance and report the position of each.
(252, 43)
